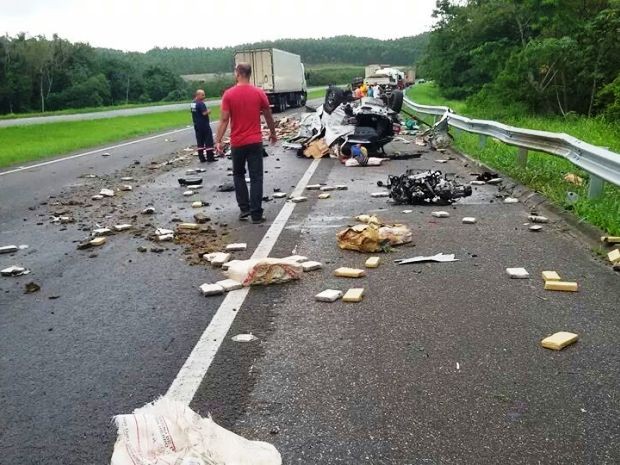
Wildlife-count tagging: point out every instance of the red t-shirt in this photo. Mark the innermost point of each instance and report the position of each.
(245, 103)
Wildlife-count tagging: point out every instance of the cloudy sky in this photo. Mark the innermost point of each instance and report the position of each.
(143, 24)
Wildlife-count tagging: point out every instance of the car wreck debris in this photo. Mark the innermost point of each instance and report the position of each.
(440, 258)
(264, 272)
(425, 187)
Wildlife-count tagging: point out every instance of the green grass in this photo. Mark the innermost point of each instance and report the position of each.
(544, 173)
(317, 93)
(75, 111)
(21, 144)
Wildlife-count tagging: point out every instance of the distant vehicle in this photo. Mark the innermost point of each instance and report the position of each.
(280, 74)
(392, 82)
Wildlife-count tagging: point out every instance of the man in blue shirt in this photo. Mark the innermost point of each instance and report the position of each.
(202, 127)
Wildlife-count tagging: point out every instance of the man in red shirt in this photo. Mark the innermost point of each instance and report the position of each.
(242, 106)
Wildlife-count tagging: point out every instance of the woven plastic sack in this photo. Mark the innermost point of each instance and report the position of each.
(265, 271)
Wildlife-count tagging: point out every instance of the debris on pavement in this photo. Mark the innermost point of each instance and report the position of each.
(550, 276)
(299, 199)
(313, 187)
(217, 259)
(311, 266)
(573, 179)
(469, 220)
(31, 288)
(373, 262)
(614, 256)
(297, 258)
(189, 193)
(198, 204)
(610, 239)
(168, 431)
(379, 194)
(559, 340)
(8, 249)
(373, 237)
(98, 241)
(538, 219)
(106, 192)
(105, 154)
(535, 228)
(477, 183)
(238, 247)
(226, 187)
(511, 200)
(345, 272)
(328, 295)
(425, 187)
(97, 197)
(324, 196)
(188, 226)
(126, 178)
(163, 232)
(126, 187)
(14, 270)
(441, 214)
(244, 338)
(317, 149)
(486, 176)
(562, 286)
(264, 272)
(229, 284)
(368, 219)
(341, 187)
(211, 289)
(148, 211)
(354, 295)
(279, 195)
(101, 232)
(494, 181)
(189, 181)
(517, 273)
(122, 227)
(201, 218)
(440, 258)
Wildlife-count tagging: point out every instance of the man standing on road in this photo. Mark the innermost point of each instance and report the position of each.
(242, 106)
(202, 127)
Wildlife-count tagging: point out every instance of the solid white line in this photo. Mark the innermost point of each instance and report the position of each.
(38, 165)
(194, 369)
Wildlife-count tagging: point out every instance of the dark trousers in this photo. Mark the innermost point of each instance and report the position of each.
(204, 140)
(252, 155)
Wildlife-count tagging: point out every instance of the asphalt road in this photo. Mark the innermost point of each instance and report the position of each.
(104, 114)
(375, 382)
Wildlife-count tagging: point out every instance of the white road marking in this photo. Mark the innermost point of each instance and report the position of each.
(104, 149)
(195, 368)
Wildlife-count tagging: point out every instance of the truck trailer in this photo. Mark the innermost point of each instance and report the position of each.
(280, 74)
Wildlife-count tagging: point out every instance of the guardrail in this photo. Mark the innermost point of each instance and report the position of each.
(602, 164)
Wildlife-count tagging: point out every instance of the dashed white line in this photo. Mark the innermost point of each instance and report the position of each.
(194, 369)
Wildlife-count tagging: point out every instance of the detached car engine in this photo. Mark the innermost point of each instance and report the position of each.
(425, 187)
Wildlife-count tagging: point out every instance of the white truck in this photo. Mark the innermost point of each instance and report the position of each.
(280, 74)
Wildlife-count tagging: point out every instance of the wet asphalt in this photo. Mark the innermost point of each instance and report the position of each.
(374, 382)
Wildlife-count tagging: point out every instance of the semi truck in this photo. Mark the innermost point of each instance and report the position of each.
(280, 74)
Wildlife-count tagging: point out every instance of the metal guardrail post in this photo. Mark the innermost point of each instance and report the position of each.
(595, 187)
(482, 141)
(522, 157)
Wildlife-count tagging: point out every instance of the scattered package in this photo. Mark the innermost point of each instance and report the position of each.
(517, 273)
(244, 338)
(328, 295)
(561, 286)
(373, 236)
(373, 262)
(167, 431)
(264, 271)
(559, 340)
(353, 295)
(345, 272)
(425, 187)
(317, 149)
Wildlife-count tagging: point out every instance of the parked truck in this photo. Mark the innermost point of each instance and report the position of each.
(280, 74)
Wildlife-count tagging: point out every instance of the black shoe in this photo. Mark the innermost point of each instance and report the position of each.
(244, 216)
(202, 159)
(211, 160)
(260, 220)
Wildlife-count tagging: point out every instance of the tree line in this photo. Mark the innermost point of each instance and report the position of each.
(542, 56)
(41, 74)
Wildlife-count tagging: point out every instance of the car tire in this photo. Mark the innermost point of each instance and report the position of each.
(396, 100)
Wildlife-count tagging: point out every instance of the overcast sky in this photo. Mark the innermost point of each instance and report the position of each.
(140, 25)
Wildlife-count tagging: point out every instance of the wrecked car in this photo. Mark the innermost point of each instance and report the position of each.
(425, 187)
(344, 122)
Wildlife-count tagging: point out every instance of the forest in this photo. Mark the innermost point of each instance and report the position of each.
(39, 74)
(528, 56)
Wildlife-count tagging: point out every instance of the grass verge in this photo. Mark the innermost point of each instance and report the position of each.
(544, 173)
(317, 93)
(21, 144)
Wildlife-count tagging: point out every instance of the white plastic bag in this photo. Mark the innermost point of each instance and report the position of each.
(168, 432)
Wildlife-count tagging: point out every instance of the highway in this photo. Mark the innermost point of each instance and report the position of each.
(439, 364)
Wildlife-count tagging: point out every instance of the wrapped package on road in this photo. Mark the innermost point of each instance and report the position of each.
(167, 431)
(264, 271)
(373, 238)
